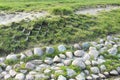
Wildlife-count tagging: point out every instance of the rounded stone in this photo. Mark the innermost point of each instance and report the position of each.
(62, 56)
(61, 77)
(12, 73)
(29, 53)
(79, 53)
(61, 48)
(113, 51)
(93, 52)
(38, 51)
(11, 57)
(56, 59)
(79, 62)
(29, 77)
(70, 72)
(114, 73)
(49, 50)
(67, 62)
(29, 65)
(102, 68)
(8, 68)
(95, 70)
(69, 54)
(85, 45)
(20, 76)
(77, 46)
(7, 76)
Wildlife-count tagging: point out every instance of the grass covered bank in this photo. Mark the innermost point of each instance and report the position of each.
(51, 5)
(58, 29)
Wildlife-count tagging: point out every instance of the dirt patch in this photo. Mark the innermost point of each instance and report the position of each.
(18, 16)
(95, 11)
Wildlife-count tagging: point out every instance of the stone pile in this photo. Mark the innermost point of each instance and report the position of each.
(85, 61)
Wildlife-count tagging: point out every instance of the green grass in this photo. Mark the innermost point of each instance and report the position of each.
(67, 28)
(57, 30)
(49, 5)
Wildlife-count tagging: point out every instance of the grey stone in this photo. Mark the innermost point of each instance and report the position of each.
(47, 71)
(87, 62)
(113, 51)
(109, 38)
(61, 77)
(94, 63)
(60, 64)
(20, 76)
(48, 61)
(93, 52)
(69, 54)
(95, 77)
(106, 74)
(11, 57)
(29, 77)
(62, 56)
(29, 65)
(28, 53)
(32, 72)
(70, 72)
(100, 61)
(79, 53)
(56, 59)
(85, 45)
(95, 70)
(102, 40)
(67, 62)
(8, 68)
(86, 57)
(102, 68)
(38, 51)
(80, 77)
(102, 76)
(1, 70)
(61, 48)
(22, 56)
(118, 69)
(41, 76)
(12, 73)
(77, 46)
(4, 73)
(86, 72)
(49, 50)
(79, 62)
(114, 73)
(23, 71)
(2, 60)
(7, 76)
(89, 78)
(36, 62)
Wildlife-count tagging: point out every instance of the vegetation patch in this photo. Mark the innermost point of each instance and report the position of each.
(59, 29)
